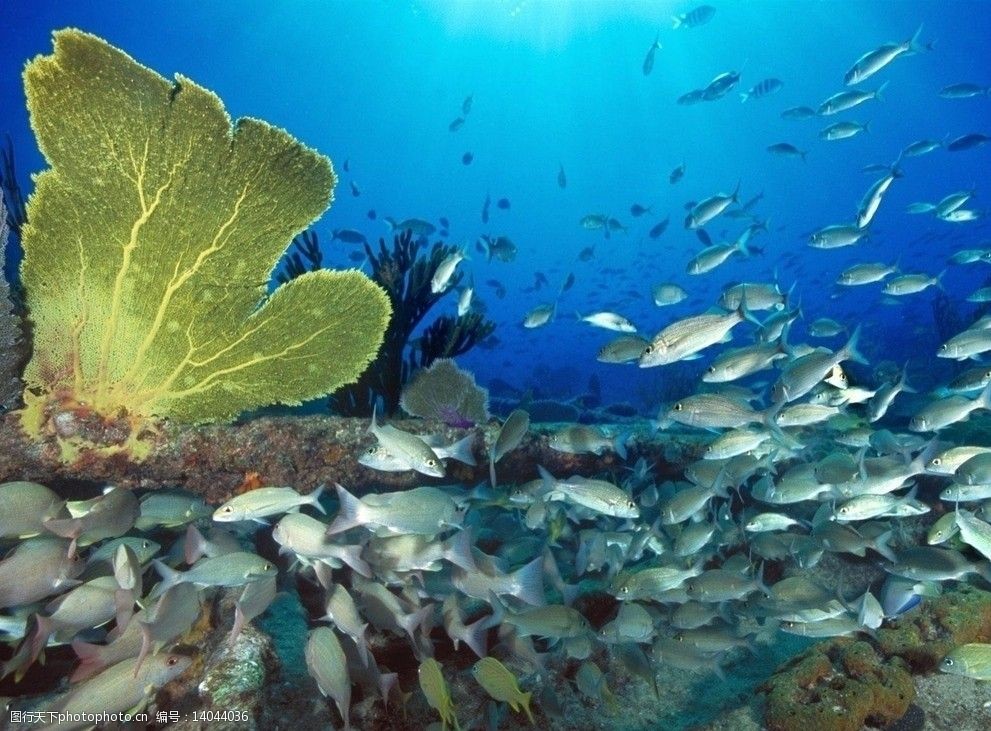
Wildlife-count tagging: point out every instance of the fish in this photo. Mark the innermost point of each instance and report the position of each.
(843, 130)
(456, 124)
(408, 447)
(562, 179)
(540, 315)
(844, 100)
(713, 256)
(420, 511)
(568, 283)
(466, 104)
(624, 349)
(648, 61)
(658, 229)
(965, 345)
(355, 190)
(307, 539)
(435, 690)
(799, 376)
(837, 235)
(509, 437)
(786, 149)
(169, 509)
(416, 226)
(444, 273)
(585, 439)
(972, 660)
(500, 248)
(677, 174)
(720, 86)
(905, 284)
(637, 210)
(732, 365)
(327, 665)
(761, 89)
(586, 254)
(708, 209)
(349, 236)
(26, 507)
(798, 113)
(668, 293)
(872, 199)
(974, 532)
(501, 685)
(123, 688)
(608, 321)
(467, 158)
(865, 273)
(503, 204)
(873, 61)
(371, 215)
(920, 147)
(691, 335)
(964, 90)
(713, 411)
(969, 141)
(108, 516)
(265, 502)
(932, 563)
(697, 16)
(231, 569)
(598, 496)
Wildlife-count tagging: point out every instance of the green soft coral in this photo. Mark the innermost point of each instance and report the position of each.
(150, 244)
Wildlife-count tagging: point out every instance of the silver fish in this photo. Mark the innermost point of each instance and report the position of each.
(873, 61)
(422, 510)
(328, 665)
(265, 502)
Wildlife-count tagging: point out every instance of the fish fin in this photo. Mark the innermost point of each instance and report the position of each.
(124, 606)
(530, 579)
(677, 21)
(492, 472)
(415, 620)
(351, 555)
(239, 622)
(913, 42)
(877, 95)
(348, 515)
(91, 662)
(147, 641)
(314, 498)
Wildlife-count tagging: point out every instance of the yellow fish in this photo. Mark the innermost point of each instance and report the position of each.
(435, 689)
(501, 684)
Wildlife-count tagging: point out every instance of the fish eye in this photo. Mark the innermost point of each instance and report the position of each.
(228, 509)
(145, 544)
(678, 406)
(936, 462)
(432, 462)
(712, 369)
(948, 662)
(942, 348)
(844, 510)
(172, 660)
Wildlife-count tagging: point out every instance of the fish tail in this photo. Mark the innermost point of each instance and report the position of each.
(415, 620)
(146, 644)
(881, 545)
(499, 611)
(348, 515)
(880, 91)
(476, 636)
(492, 472)
(985, 398)
(744, 95)
(850, 352)
(619, 444)
(314, 498)
(677, 20)
(525, 702)
(170, 577)
(530, 582)
(458, 550)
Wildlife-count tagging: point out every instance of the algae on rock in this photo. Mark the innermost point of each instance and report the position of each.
(147, 253)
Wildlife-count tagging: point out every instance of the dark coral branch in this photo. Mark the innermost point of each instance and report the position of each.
(16, 209)
(405, 271)
(304, 256)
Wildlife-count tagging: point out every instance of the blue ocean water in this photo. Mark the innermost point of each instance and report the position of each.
(561, 83)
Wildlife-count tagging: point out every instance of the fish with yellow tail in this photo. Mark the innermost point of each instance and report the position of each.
(434, 687)
(501, 684)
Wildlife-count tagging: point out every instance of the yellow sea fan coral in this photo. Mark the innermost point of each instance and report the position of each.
(150, 243)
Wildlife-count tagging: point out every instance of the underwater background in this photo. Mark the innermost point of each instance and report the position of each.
(561, 83)
(557, 144)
